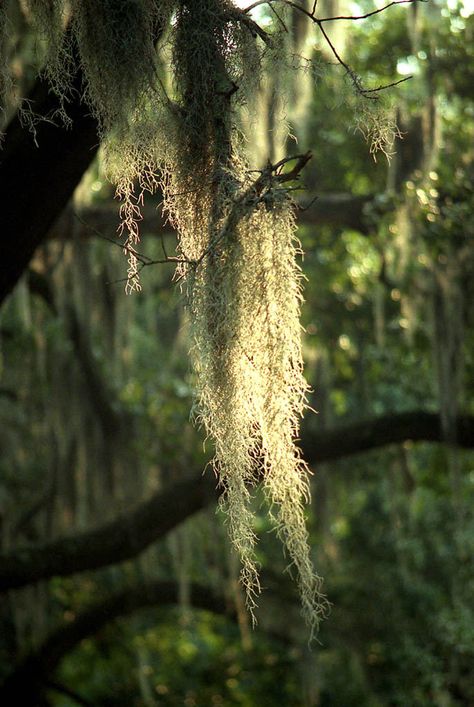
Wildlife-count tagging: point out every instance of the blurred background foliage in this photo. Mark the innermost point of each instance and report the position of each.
(96, 393)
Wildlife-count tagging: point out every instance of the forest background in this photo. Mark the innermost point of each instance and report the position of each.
(119, 584)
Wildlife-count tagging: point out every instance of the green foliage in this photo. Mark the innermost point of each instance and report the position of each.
(198, 662)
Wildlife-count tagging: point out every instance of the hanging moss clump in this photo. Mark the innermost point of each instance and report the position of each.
(236, 238)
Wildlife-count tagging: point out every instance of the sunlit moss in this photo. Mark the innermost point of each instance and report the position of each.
(375, 119)
(237, 245)
(243, 289)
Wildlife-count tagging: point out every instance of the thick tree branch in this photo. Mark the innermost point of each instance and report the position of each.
(31, 676)
(132, 532)
(354, 438)
(121, 539)
(37, 181)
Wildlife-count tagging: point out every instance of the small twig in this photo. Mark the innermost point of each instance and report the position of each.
(388, 85)
(142, 265)
(311, 14)
(301, 162)
(256, 4)
(230, 92)
(354, 78)
(269, 174)
(356, 81)
(301, 209)
(369, 14)
(163, 246)
(139, 256)
(143, 260)
(254, 28)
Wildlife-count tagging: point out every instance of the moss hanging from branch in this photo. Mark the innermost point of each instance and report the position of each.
(237, 245)
(243, 286)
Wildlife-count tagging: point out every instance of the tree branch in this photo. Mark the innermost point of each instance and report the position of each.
(37, 181)
(116, 541)
(151, 520)
(30, 677)
(354, 438)
(370, 93)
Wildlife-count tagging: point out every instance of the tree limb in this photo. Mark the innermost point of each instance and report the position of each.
(30, 677)
(354, 438)
(116, 541)
(129, 534)
(37, 181)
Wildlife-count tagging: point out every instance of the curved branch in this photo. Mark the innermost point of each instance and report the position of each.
(31, 675)
(121, 539)
(151, 520)
(354, 438)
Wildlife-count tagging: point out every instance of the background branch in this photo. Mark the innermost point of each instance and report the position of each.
(31, 676)
(132, 532)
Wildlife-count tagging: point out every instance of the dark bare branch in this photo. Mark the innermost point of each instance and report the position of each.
(32, 675)
(369, 14)
(151, 520)
(121, 539)
(37, 181)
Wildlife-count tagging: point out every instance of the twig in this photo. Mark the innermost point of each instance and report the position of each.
(254, 28)
(369, 14)
(354, 78)
(268, 175)
(163, 246)
(301, 162)
(122, 246)
(280, 20)
(388, 85)
(301, 209)
(356, 81)
(143, 260)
